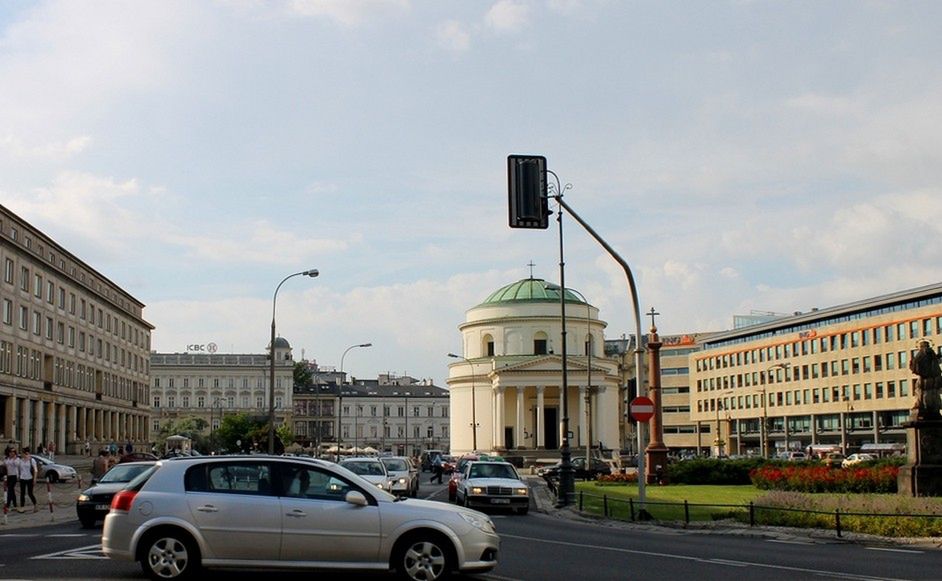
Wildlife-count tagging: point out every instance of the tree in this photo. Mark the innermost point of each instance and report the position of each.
(235, 428)
(285, 434)
(302, 374)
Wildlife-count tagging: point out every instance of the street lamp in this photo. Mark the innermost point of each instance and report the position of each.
(340, 397)
(212, 425)
(588, 391)
(271, 353)
(474, 420)
(719, 435)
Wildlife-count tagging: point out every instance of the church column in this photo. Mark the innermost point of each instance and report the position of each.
(74, 430)
(26, 421)
(583, 420)
(521, 419)
(499, 395)
(540, 443)
(38, 424)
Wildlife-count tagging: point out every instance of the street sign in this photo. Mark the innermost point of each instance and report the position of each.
(641, 408)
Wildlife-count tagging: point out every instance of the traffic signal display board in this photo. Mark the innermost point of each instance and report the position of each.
(527, 190)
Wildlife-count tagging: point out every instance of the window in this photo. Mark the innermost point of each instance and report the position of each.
(24, 318)
(230, 478)
(156, 401)
(7, 312)
(8, 271)
(539, 346)
(37, 323)
(37, 286)
(50, 292)
(24, 278)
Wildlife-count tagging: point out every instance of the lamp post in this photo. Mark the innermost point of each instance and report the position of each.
(588, 391)
(212, 425)
(718, 442)
(474, 419)
(340, 397)
(271, 353)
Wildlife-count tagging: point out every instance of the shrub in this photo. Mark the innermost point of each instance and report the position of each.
(615, 479)
(822, 479)
(713, 471)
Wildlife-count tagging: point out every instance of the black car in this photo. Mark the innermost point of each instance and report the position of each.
(95, 502)
(580, 472)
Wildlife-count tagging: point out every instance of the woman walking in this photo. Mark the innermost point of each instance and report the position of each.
(12, 464)
(27, 476)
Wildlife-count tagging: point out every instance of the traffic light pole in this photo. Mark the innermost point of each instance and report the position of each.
(639, 348)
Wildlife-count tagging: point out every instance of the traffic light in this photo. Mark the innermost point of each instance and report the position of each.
(527, 189)
(632, 387)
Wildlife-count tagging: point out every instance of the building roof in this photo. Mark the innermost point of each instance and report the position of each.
(532, 290)
(282, 343)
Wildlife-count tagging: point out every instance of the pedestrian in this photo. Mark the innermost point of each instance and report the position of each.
(12, 464)
(437, 469)
(129, 447)
(100, 464)
(88, 447)
(27, 476)
(39, 450)
(51, 451)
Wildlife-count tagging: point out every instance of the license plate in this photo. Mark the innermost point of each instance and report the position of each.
(500, 501)
(104, 507)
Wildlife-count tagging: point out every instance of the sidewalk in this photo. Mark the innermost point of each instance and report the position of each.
(64, 495)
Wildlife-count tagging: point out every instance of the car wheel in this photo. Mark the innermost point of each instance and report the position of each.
(423, 558)
(169, 554)
(52, 476)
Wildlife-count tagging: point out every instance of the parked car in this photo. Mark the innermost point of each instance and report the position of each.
(449, 463)
(53, 471)
(272, 512)
(596, 467)
(857, 459)
(137, 457)
(94, 502)
(370, 469)
(493, 485)
(833, 459)
(793, 456)
(402, 474)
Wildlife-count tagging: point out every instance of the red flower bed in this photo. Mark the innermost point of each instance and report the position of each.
(824, 479)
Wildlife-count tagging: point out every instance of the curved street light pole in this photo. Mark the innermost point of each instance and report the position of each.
(474, 419)
(340, 397)
(271, 356)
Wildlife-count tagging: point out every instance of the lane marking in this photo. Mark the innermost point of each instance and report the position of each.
(889, 550)
(91, 552)
(728, 562)
(784, 542)
(699, 559)
(66, 535)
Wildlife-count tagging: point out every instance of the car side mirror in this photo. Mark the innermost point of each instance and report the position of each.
(356, 497)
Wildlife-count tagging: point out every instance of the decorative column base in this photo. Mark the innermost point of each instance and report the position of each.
(655, 464)
(922, 474)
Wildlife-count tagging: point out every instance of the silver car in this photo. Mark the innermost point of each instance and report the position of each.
(493, 485)
(53, 471)
(371, 470)
(271, 512)
(402, 474)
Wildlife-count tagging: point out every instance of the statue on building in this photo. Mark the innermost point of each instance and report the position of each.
(925, 364)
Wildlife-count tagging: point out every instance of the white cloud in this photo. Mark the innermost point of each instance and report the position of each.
(15, 147)
(508, 16)
(348, 13)
(453, 35)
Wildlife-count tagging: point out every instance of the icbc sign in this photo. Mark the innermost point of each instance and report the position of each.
(202, 347)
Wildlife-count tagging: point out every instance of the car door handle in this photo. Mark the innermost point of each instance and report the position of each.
(296, 513)
(207, 508)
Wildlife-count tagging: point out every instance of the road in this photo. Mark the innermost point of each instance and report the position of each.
(545, 547)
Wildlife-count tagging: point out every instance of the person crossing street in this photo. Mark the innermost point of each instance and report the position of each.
(12, 464)
(27, 476)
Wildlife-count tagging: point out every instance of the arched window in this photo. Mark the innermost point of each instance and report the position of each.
(488, 345)
(540, 343)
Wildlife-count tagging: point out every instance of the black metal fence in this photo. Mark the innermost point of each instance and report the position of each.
(686, 512)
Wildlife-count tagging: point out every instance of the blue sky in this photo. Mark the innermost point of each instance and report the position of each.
(740, 155)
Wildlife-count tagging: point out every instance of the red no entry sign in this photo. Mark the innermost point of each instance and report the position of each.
(641, 408)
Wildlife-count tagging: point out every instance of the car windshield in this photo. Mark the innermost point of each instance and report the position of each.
(123, 473)
(396, 464)
(365, 468)
(492, 471)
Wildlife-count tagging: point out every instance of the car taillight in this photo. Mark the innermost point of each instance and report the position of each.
(123, 500)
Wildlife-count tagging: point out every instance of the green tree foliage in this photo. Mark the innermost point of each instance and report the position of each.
(238, 427)
(285, 434)
(302, 374)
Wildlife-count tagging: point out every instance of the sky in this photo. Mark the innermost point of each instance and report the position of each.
(739, 155)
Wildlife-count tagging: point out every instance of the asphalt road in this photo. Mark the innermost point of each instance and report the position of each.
(544, 547)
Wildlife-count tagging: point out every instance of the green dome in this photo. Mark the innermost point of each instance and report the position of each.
(533, 290)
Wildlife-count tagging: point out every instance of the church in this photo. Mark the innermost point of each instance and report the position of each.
(506, 386)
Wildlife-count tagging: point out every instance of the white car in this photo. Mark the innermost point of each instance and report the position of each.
(493, 485)
(371, 470)
(49, 470)
(855, 459)
(402, 474)
(264, 512)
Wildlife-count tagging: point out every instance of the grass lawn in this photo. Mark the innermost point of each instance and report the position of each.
(673, 496)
